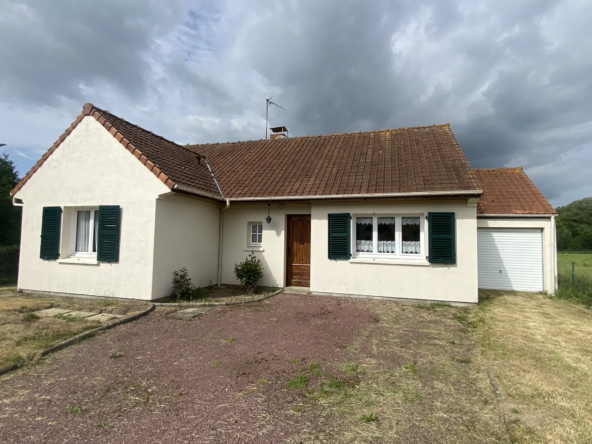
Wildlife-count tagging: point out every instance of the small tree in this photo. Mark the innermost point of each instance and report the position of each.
(183, 288)
(249, 272)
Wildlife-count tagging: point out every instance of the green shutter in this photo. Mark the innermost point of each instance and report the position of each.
(109, 228)
(50, 233)
(339, 236)
(442, 238)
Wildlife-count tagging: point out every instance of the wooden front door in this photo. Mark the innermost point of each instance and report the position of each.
(298, 251)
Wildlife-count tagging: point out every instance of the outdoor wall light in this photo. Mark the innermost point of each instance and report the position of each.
(268, 218)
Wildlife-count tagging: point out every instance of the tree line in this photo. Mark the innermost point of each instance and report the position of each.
(10, 222)
(574, 225)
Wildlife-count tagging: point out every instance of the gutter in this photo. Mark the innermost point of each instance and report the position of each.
(17, 202)
(521, 215)
(198, 192)
(221, 241)
(554, 252)
(358, 196)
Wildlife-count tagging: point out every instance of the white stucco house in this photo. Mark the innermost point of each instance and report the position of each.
(113, 210)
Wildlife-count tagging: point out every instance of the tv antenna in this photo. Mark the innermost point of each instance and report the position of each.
(267, 102)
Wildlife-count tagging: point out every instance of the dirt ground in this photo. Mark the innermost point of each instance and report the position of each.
(288, 369)
(22, 333)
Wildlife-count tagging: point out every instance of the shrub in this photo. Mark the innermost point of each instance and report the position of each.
(249, 272)
(183, 288)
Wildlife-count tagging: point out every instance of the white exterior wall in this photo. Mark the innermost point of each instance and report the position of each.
(272, 252)
(549, 247)
(392, 278)
(186, 236)
(91, 168)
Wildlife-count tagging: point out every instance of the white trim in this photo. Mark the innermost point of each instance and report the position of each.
(258, 249)
(78, 261)
(362, 195)
(518, 215)
(398, 255)
(250, 242)
(72, 253)
(393, 261)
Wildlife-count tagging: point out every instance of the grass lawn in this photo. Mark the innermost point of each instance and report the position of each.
(22, 333)
(583, 271)
(539, 351)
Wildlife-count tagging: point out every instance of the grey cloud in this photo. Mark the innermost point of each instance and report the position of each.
(513, 78)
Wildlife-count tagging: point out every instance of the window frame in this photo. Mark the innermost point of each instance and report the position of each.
(94, 214)
(398, 237)
(250, 242)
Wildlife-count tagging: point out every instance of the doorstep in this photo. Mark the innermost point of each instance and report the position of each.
(296, 290)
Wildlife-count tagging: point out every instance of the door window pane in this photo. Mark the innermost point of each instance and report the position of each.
(386, 235)
(82, 231)
(410, 230)
(364, 234)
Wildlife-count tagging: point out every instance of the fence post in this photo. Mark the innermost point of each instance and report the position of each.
(573, 273)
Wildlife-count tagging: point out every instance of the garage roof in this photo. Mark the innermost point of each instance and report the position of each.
(510, 191)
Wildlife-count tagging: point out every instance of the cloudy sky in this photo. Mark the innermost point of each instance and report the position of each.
(513, 77)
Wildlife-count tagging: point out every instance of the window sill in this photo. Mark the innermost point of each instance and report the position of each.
(393, 261)
(260, 249)
(79, 261)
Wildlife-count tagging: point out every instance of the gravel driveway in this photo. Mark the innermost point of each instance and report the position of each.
(228, 376)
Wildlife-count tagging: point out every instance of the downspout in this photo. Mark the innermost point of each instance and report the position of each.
(554, 252)
(221, 240)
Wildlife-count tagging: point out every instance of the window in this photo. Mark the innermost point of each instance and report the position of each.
(255, 234)
(389, 236)
(84, 232)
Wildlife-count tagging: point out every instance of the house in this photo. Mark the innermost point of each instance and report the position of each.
(113, 210)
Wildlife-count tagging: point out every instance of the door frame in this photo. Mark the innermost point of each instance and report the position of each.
(285, 255)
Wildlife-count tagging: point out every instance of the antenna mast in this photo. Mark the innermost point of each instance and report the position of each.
(267, 102)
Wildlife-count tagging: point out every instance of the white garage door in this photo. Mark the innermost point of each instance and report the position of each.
(510, 259)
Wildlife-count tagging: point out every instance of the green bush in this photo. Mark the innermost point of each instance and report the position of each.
(249, 272)
(183, 288)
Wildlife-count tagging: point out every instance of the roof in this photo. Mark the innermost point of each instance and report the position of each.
(423, 160)
(510, 191)
(419, 160)
(175, 165)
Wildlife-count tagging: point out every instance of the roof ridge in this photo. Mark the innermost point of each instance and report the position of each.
(90, 107)
(351, 133)
(517, 169)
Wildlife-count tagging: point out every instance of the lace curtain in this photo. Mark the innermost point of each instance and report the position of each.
(82, 231)
(410, 220)
(411, 247)
(364, 229)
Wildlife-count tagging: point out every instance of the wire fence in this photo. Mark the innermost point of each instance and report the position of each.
(574, 279)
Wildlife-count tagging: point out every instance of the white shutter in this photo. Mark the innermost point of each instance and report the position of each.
(510, 259)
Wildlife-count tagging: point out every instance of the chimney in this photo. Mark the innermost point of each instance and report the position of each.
(279, 132)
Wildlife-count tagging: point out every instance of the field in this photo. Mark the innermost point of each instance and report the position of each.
(583, 272)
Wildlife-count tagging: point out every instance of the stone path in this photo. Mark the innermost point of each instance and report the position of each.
(88, 315)
(190, 313)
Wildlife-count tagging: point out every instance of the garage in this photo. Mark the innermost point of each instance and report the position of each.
(510, 259)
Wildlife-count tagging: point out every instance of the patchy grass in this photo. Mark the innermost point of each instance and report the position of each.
(583, 272)
(23, 333)
(538, 349)
(414, 377)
